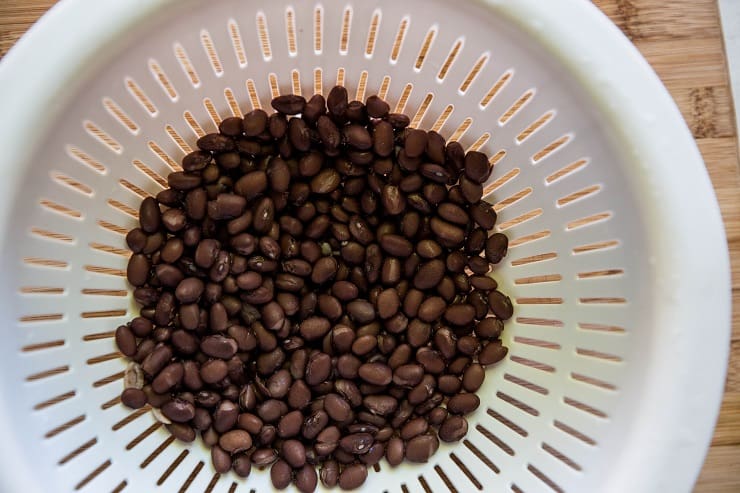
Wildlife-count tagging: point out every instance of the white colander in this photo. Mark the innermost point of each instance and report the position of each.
(617, 262)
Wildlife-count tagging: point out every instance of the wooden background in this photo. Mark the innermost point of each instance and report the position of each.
(682, 39)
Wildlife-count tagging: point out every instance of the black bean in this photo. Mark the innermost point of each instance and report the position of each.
(137, 271)
(213, 371)
(421, 448)
(381, 405)
(492, 353)
(415, 144)
(353, 476)
(255, 123)
(383, 139)
(326, 181)
(314, 328)
(289, 104)
(149, 215)
(318, 368)
(133, 398)
(500, 305)
(328, 132)
(361, 311)
(429, 275)
(306, 479)
(179, 411)
(337, 102)
(376, 373)
(281, 474)
(221, 459)
(471, 191)
(463, 403)
(215, 143)
(448, 234)
(314, 424)
(358, 137)
(196, 161)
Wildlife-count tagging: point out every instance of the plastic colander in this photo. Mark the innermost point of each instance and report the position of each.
(618, 263)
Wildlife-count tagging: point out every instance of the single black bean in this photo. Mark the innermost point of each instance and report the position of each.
(419, 449)
(299, 134)
(337, 102)
(500, 305)
(281, 474)
(254, 123)
(289, 104)
(353, 476)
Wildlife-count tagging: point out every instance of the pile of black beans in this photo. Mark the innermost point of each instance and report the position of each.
(315, 292)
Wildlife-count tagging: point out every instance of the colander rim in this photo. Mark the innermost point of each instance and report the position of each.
(645, 120)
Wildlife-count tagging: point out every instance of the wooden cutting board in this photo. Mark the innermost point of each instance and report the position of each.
(682, 40)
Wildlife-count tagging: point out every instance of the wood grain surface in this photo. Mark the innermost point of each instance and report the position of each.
(682, 40)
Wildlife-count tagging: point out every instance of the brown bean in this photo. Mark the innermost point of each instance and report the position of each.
(213, 371)
(353, 476)
(327, 441)
(492, 353)
(326, 181)
(459, 314)
(137, 271)
(181, 180)
(395, 451)
(383, 139)
(356, 443)
(416, 141)
(324, 269)
(329, 473)
(360, 230)
(125, 340)
(179, 411)
(500, 305)
(289, 104)
(314, 424)
(388, 303)
(299, 135)
(453, 429)
(358, 137)
(254, 123)
(408, 375)
(133, 398)
(463, 403)
(314, 328)
(306, 479)
(150, 216)
(471, 191)
(361, 311)
(397, 245)
(432, 309)
(448, 234)
(429, 275)
(337, 101)
(496, 247)
(477, 167)
(263, 457)
(381, 405)
(414, 428)
(290, 424)
(328, 132)
(281, 474)
(235, 441)
(221, 459)
(318, 368)
(419, 449)
(169, 377)
(376, 373)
